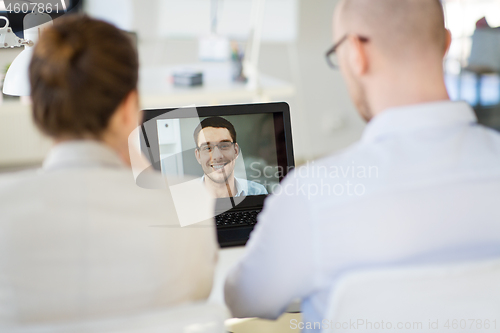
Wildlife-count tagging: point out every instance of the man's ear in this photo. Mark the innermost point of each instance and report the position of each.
(449, 39)
(197, 155)
(358, 56)
(237, 150)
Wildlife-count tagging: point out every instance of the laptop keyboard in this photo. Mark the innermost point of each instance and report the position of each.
(234, 219)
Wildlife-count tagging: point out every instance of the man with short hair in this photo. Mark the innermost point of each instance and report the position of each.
(216, 151)
(421, 185)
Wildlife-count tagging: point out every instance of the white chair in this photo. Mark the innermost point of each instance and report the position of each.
(441, 298)
(191, 318)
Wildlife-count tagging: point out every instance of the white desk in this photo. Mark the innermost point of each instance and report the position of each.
(228, 257)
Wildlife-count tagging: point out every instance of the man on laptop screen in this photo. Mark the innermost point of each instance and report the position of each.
(216, 151)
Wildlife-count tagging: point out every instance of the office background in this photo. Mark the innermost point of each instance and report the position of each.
(296, 34)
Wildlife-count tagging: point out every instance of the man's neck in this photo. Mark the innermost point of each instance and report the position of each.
(222, 190)
(410, 88)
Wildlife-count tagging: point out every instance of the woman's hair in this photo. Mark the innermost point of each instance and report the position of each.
(82, 70)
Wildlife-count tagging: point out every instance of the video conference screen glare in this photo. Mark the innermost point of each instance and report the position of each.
(233, 156)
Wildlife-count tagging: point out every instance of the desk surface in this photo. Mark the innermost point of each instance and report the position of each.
(228, 257)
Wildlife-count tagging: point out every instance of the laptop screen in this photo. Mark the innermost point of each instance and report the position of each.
(233, 156)
(235, 151)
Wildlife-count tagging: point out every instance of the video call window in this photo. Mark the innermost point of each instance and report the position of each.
(232, 155)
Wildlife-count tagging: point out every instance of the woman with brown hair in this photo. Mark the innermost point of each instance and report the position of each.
(77, 237)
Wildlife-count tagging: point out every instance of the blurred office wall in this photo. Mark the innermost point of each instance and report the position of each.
(323, 118)
(472, 65)
(297, 34)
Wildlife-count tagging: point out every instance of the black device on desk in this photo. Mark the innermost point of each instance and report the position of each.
(240, 152)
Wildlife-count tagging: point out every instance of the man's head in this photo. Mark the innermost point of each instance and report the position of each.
(391, 45)
(84, 75)
(216, 148)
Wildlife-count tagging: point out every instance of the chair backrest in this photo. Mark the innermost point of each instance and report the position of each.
(190, 318)
(442, 298)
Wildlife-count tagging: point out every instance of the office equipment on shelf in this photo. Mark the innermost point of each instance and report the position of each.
(187, 78)
(158, 91)
(264, 157)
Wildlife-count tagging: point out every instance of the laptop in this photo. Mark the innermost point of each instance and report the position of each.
(240, 153)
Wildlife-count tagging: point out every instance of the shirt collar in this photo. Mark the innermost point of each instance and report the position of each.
(241, 187)
(420, 116)
(81, 154)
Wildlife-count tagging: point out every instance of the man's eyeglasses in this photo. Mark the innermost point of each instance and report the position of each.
(223, 146)
(331, 54)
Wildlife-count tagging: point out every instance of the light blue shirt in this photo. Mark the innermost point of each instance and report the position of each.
(245, 187)
(422, 185)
